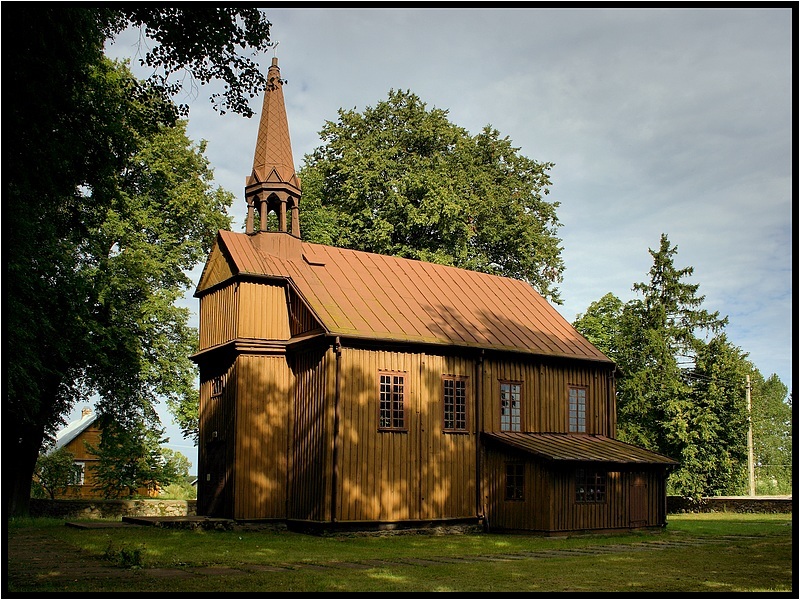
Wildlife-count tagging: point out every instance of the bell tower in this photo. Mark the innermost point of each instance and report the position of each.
(273, 185)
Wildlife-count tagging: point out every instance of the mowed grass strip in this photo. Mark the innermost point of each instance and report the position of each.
(720, 552)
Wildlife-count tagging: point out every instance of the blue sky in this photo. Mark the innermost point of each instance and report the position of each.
(665, 120)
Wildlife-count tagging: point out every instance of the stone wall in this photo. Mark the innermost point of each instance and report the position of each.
(738, 504)
(111, 509)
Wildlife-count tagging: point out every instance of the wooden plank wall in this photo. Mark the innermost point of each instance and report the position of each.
(312, 426)
(301, 319)
(550, 505)
(218, 316)
(420, 473)
(77, 447)
(264, 395)
(532, 513)
(545, 395)
(216, 443)
(615, 512)
(262, 312)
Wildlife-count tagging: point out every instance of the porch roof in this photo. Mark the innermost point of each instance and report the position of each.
(579, 447)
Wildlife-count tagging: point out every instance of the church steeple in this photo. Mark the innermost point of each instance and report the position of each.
(273, 184)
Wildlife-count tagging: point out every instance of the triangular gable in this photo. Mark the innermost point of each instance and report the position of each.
(73, 430)
(218, 268)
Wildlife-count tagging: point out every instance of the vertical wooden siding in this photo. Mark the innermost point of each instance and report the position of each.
(616, 512)
(311, 465)
(218, 316)
(77, 447)
(544, 395)
(262, 311)
(420, 473)
(216, 443)
(264, 395)
(301, 320)
(550, 505)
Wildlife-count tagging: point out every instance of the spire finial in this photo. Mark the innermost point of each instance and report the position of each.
(275, 49)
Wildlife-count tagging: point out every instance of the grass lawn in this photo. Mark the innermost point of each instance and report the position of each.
(697, 553)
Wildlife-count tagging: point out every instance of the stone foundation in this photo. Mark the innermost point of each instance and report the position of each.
(111, 509)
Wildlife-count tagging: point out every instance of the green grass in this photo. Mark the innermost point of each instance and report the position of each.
(735, 553)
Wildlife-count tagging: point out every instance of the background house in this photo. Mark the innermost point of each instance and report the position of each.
(74, 438)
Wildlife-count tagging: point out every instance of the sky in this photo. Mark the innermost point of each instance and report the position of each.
(659, 120)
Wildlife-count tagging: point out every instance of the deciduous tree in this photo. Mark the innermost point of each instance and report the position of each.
(401, 179)
(54, 472)
(130, 458)
(106, 205)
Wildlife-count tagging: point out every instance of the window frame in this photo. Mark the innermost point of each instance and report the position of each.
(578, 413)
(404, 403)
(511, 383)
(456, 379)
(79, 474)
(594, 479)
(217, 386)
(514, 481)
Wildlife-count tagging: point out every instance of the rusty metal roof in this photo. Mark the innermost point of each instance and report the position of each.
(578, 447)
(372, 296)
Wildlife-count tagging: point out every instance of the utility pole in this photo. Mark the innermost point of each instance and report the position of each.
(751, 479)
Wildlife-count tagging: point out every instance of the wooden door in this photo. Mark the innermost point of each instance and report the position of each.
(638, 500)
(214, 504)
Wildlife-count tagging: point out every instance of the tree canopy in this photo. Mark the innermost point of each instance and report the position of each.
(130, 459)
(681, 382)
(107, 206)
(401, 179)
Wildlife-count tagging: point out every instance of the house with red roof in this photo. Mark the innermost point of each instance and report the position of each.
(341, 388)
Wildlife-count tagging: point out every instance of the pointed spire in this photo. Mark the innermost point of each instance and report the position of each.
(273, 183)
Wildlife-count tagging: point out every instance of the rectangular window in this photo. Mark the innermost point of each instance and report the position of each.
(78, 473)
(510, 406)
(217, 385)
(577, 410)
(392, 396)
(455, 403)
(590, 486)
(515, 481)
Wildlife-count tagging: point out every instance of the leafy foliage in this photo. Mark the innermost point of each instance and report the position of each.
(107, 206)
(208, 42)
(681, 385)
(772, 434)
(130, 458)
(54, 472)
(400, 179)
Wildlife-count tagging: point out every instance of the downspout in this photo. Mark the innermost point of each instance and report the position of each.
(337, 348)
(479, 512)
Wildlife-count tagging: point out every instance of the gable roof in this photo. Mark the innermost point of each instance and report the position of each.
(375, 297)
(74, 429)
(578, 447)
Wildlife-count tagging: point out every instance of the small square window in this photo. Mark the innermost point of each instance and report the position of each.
(217, 386)
(590, 486)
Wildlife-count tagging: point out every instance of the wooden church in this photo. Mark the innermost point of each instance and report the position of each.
(340, 388)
